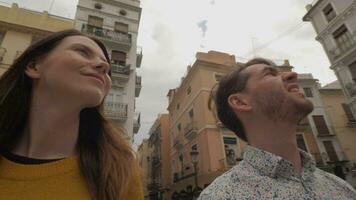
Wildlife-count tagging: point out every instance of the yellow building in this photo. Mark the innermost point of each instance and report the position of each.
(20, 27)
(343, 123)
(143, 157)
(194, 127)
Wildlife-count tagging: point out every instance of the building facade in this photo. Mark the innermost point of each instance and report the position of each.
(143, 158)
(21, 27)
(194, 127)
(334, 22)
(159, 165)
(116, 23)
(343, 123)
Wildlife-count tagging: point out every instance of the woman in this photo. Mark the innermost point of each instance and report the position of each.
(55, 142)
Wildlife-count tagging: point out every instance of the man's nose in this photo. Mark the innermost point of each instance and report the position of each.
(289, 76)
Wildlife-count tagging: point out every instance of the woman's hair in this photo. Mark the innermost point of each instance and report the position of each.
(106, 160)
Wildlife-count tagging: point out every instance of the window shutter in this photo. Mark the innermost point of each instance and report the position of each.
(348, 112)
(95, 21)
(121, 27)
(321, 125)
(118, 56)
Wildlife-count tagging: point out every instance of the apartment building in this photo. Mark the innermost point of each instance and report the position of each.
(116, 23)
(21, 27)
(159, 160)
(143, 158)
(344, 125)
(334, 22)
(194, 127)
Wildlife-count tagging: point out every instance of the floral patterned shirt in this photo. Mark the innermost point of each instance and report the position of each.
(263, 175)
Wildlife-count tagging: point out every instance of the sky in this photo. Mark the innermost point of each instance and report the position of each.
(172, 31)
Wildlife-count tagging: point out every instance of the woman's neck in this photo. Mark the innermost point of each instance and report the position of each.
(51, 131)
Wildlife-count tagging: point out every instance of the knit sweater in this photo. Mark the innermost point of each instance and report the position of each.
(54, 180)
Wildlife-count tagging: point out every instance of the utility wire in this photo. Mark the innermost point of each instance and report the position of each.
(285, 33)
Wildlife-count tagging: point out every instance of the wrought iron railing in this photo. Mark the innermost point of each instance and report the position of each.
(107, 34)
(121, 69)
(115, 110)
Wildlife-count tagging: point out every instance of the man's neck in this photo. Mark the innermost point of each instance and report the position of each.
(277, 138)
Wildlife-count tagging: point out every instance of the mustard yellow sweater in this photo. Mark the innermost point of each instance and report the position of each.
(55, 180)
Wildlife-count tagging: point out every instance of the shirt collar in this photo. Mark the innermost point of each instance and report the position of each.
(273, 165)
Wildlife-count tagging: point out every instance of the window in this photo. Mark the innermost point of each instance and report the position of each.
(301, 142)
(330, 150)
(178, 106)
(218, 76)
(348, 112)
(308, 92)
(329, 12)
(2, 35)
(191, 114)
(118, 57)
(95, 21)
(343, 38)
(189, 90)
(121, 27)
(321, 126)
(179, 127)
(352, 68)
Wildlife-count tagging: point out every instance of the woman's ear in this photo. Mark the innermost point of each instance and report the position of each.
(32, 70)
(239, 103)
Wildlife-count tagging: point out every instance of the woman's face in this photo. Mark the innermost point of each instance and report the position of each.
(76, 71)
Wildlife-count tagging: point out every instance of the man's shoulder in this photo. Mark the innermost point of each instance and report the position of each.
(334, 181)
(227, 186)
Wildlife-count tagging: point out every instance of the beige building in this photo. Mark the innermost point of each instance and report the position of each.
(20, 27)
(154, 158)
(194, 127)
(143, 157)
(343, 123)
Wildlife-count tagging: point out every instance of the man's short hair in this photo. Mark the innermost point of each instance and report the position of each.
(230, 84)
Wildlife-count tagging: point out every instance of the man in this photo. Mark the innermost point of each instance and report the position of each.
(263, 107)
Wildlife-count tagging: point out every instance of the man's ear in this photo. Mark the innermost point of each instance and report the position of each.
(32, 70)
(239, 103)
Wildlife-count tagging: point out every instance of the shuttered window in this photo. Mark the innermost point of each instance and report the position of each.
(320, 124)
(95, 21)
(301, 143)
(352, 69)
(118, 57)
(330, 150)
(308, 92)
(329, 12)
(348, 112)
(121, 27)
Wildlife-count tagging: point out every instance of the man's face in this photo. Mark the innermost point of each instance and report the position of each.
(276, 94)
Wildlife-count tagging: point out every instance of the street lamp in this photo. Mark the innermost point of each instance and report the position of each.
(194, 157)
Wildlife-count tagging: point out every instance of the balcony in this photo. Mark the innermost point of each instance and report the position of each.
(190, 130)
(124, 39)
(2, 54)
(344, 48)
(351, 89)
(138, 57)
(120, 71)
(138, 86)
(137, 122)
(115, 111)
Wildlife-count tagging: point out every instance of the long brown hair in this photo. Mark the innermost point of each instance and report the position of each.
(106, 160)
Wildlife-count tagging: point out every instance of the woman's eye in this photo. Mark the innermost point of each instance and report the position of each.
(82, 51)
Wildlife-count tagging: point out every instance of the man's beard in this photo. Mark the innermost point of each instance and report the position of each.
(280, 107)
